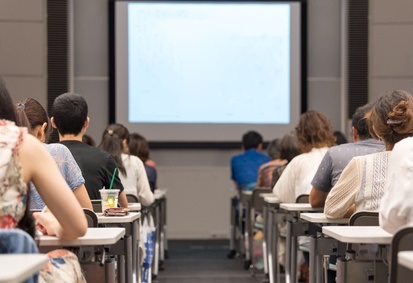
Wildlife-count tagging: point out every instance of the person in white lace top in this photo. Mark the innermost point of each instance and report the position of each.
(361, 185)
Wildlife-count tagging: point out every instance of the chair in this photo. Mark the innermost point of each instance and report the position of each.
(303, 199)
(257, 202)
(132, 198)
(402, 241)
(91, 217)
(364, 218)
(97, 205)
(16, 241)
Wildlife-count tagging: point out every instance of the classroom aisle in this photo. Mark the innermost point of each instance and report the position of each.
(203, 261)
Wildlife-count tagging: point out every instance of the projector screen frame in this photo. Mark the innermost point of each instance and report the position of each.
(201, 144)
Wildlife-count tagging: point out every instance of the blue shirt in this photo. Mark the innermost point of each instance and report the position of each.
(244, 167)
(68, 168)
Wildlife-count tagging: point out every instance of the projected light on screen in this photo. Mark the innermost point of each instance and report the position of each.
(206, 71)
(213, 64)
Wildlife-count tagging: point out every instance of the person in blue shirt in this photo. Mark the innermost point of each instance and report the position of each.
(244, 166)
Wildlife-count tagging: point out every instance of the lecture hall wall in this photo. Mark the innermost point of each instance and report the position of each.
(198, 180)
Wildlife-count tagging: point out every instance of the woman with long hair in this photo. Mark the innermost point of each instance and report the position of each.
(115, 140)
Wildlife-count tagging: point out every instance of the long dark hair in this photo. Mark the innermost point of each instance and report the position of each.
(8, 112)
(112, 142)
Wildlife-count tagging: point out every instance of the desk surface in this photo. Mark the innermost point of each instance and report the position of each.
(134, 206)
(246, 193)
(271, 199)
(299, 207)
(359, 234)
(93, 237)
(132, 216)
(19, 267)
(405, 258)
(316, 217)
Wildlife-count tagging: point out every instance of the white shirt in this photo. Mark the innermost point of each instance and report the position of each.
(136, 181)
(297, 176)
(396, 209)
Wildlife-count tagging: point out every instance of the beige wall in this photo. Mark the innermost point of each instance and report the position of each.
(198, 180)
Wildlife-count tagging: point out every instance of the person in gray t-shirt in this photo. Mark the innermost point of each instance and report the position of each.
(337, 157)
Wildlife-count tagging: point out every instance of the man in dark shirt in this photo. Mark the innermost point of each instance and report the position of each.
(69, 117)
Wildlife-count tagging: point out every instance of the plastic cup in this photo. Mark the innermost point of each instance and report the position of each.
(109, 198)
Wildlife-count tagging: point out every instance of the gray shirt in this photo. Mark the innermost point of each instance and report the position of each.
(337, 158)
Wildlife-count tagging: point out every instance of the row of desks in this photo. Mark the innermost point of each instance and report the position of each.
(326, 237)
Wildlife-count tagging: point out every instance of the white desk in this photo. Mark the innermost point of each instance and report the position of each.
(132, 225)
(299, 207)
(321, 218)
(405, 259)
(134, 206)
(295, 228)
(359, 234)
(101, 237)
(93, 237)
(132, 216)
(270, 240)
(318, 242)
(16, 268)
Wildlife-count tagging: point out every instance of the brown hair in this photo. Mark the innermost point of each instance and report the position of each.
(139, 147)
(391, 118)
(36, 115)
(314, 130)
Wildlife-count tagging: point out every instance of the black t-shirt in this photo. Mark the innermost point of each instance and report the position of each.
(97, 167)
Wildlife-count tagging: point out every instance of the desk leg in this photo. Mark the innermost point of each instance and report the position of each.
(293, 271)
(128, 259)
(288, 241)
(135, 250)
(265, 241)
(233, 224)
(248, 235)
(270, 243)
(155, 264)
(313, 256)
(163, 229)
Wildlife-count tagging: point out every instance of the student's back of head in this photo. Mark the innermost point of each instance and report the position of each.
(69, 112)
(359, 121)
(314, 130)
(37, 117)
(138, 146)
(251, 139)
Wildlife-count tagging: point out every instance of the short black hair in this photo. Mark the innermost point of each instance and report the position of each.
(251, 139)
(359, 121)
(69, 112)
(7, 109)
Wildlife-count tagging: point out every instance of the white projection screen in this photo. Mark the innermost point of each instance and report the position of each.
(195, 71)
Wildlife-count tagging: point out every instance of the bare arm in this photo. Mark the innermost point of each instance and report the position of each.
(123, 200)
(317, 197)
(83, 197)
(39, 167)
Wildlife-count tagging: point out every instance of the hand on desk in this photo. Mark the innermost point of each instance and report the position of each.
(47, 223)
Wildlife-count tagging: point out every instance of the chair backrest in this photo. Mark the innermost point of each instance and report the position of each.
(132, 198)
(364, 218)
(257, 202)
(91, 217)
(303, 199)
(97, 205)
(16, 241)
(402, 241)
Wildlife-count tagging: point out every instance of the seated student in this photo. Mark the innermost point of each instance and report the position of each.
(396, 209)
(288, 150)
(115, 139)
(41, 128)
(340, 138)
(25, 160)
(337, 157)
(315, 135)
(69, 117)
(244, 166)
(88, 140)
(266, 170)
(138, 146)
(361, 184)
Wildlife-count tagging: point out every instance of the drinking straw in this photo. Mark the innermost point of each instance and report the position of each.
(113, 178)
